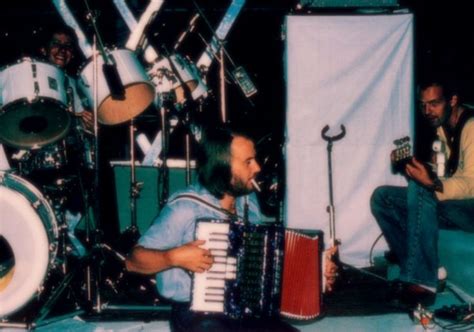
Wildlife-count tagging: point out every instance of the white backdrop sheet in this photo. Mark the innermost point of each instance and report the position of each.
(356, 71)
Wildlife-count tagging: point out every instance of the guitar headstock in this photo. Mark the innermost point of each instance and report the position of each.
(401, 155)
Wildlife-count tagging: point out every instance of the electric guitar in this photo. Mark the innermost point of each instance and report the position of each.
(401, 155)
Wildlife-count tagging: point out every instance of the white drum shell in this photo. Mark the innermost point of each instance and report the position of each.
(31, 236)
(31, 80)
(167, 77)
(139, 92)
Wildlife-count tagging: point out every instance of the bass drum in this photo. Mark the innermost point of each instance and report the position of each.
(28, 226)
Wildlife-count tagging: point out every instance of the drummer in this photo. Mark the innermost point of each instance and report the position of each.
(61, 49)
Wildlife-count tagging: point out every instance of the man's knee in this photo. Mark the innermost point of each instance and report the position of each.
(378, 199)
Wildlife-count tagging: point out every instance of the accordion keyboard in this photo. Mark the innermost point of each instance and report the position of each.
(209, 286)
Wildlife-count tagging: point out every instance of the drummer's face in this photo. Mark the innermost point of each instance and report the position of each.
(60, 50)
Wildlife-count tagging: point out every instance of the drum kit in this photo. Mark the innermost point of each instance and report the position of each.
(53, 183)
(54, 160)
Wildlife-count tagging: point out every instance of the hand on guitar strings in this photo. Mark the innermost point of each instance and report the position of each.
(419, 172)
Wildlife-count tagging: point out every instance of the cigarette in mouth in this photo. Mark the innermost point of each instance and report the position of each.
(255, 185)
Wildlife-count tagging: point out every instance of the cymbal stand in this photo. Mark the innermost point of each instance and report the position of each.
(95, 240)
(222, 84)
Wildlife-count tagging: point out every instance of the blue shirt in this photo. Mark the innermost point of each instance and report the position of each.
(175, 226)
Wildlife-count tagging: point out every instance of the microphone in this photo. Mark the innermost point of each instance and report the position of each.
(189, 29)
(112, 77)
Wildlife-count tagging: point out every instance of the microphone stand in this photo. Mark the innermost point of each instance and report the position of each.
(94, 274)
(330, 208)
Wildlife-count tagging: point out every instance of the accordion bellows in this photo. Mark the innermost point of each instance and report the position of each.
(301, 281)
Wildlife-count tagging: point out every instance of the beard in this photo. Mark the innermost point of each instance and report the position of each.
(439, 121)
(239, 188)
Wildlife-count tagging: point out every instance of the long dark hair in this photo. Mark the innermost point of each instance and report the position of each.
(214, 159)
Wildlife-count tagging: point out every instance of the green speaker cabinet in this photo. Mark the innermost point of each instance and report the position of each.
(147, 203)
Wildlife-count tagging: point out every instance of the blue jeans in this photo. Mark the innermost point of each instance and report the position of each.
(410, 218)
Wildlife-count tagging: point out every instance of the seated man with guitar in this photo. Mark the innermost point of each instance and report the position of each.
(410, 216)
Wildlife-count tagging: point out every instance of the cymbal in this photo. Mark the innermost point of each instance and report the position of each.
(30, 126)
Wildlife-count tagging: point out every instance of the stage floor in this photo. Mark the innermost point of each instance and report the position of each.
(380, 322)
(358, 305)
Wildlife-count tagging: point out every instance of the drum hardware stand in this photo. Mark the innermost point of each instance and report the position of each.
(163, 177)
(117, 92)
(330, 208)
(135, 187)
(94, 277)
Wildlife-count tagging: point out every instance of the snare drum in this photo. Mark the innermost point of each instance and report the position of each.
(34, 103)
(139, 92)
(29, 226)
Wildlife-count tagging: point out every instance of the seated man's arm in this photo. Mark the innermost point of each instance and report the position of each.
(189, 256)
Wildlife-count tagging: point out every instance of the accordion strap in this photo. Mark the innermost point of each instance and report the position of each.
(201, 201)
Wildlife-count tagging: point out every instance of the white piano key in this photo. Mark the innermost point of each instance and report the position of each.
(217, 245)
(218, 267)
(213, 297)
(220, 259)
(218, 283)
(212, 290)
(231, 260)
(218, 253)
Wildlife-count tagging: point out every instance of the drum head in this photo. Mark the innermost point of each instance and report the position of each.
(138, 97)
(24, 228)
(26, 125)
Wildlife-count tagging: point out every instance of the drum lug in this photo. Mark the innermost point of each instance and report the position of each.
(52, 247)
(36, 204)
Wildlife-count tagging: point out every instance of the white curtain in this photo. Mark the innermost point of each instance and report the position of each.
(356, 71)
